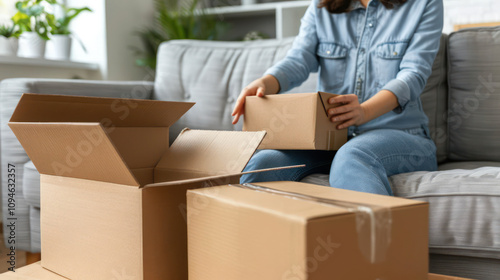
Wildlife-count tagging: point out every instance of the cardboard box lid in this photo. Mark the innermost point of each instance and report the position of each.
(298, 208)
(114, 111)
(207, 152)
(77, 150)
(66, 135)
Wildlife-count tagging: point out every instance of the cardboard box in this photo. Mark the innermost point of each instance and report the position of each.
(31, 272)
(113, 193)
(304, 231)
(36, 271)
(444, 277)
(296, 121)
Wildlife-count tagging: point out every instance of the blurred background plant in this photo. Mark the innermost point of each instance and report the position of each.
(60, 25)
(173, 20)
(255, 35)
(9, 31)
(32, 15)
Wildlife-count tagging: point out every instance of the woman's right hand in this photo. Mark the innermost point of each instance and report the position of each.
(260, 87)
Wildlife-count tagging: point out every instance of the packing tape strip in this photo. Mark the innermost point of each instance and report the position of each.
(373, 223)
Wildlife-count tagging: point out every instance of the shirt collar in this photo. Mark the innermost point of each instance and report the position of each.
(357, 4)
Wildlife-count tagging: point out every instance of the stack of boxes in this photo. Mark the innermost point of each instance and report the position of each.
(113, 196)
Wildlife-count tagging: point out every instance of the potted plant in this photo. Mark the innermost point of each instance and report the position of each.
(9, 39)
(176, 19)
(59, 46)
(31, 19)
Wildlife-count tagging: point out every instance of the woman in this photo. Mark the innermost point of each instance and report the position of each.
(378, 55)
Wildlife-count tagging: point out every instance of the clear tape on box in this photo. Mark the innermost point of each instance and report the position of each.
(373, 223)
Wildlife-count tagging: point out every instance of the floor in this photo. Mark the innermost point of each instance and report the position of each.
(20, 255)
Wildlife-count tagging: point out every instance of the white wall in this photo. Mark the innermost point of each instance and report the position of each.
(108, 35)
(469, 11)
(123, 18)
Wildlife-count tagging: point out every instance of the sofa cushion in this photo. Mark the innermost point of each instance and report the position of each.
(434, 101)
(213, 74)
(464, 207)
(31, 184)
(474, 94)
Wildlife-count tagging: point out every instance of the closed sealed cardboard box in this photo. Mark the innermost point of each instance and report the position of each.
(291, 231)
(113, 193)
(296, 121)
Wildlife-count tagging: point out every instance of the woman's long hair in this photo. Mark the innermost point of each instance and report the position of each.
(343, 6)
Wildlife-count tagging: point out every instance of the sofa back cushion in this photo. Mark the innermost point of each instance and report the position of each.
(213, 74)
(434, 101)
(474, 94)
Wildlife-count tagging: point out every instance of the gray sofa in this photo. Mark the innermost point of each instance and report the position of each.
(462, 101)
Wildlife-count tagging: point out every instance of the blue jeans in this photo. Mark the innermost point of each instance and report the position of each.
(362, 164)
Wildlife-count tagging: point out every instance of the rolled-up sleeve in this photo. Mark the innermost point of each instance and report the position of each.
(416, 64)
(301, 59)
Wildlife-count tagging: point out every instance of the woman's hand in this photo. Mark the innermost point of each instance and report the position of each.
(350, 112)
(260, 87)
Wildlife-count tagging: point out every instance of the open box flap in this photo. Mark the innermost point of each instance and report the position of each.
(109, 111)
(210, 152)
(217, 177)
(323, 97)
(77, 150)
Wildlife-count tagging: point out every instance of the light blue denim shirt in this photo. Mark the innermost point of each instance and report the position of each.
(367, 50)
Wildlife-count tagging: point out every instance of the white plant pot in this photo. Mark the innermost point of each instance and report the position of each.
(31, 45)
(59, 47)
(8, 46)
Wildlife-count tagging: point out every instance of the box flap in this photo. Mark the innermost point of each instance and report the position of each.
(323, 97)
(211, 152)
(109, 111)
(77, 150)
(216, 177)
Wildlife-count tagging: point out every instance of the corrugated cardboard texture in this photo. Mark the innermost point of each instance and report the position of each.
(246, 234)
(210, 153)
(90, 229)
(294, 121)
(109, 111)
(77, 150)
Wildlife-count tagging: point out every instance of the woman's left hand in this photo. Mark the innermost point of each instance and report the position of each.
(350, 112)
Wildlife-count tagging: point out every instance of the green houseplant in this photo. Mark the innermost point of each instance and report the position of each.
(31, 18)
(176, 19)
(9, 35)
(59, 46)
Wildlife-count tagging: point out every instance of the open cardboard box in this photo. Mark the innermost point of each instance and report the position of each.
(291, 230)
(113, 192)
(297, 121)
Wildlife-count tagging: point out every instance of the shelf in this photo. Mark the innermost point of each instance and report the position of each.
(47, 63)
(256, 9)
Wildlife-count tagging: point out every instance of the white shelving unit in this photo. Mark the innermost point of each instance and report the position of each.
(47, 63)
(283, 16)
